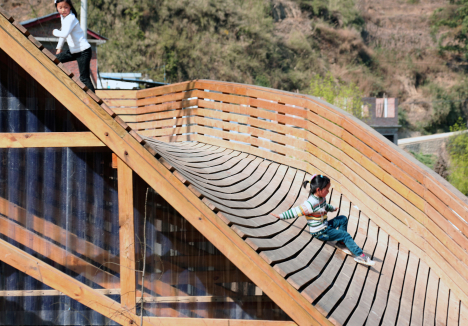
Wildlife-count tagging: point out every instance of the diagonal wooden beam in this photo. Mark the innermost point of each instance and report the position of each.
(49, 139)
(54, 232)
(60, 281)
(57, 254)
(124, 145)
(42, 293)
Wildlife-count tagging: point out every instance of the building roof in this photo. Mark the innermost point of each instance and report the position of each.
(55, 15)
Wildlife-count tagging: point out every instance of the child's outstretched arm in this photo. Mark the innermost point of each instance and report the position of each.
(293, 212)
(331, 208)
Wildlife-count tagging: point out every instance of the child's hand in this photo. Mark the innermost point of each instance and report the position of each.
(336, 208)
(277, 216)
(58, 51)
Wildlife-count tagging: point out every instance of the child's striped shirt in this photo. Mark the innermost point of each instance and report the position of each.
(314, 209)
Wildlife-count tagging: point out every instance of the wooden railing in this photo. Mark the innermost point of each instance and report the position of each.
(409, 201)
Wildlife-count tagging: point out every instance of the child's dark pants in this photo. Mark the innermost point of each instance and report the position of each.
(337, 231)
(83, 58)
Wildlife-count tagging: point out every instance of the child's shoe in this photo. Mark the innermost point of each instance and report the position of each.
(364, 259)
(340, 245)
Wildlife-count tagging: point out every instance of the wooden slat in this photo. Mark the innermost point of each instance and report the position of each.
(360, 314)
(379, 304)
(113, 94)
(126, 237)
(302, 260)
(417, 315)
(454, 310)
(393, 303)
(49, 139)
(463, 314)
(406, 300)
(431, 299)
(442, 304)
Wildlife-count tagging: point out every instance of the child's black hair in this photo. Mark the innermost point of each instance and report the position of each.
(72, 9)
(318, 181)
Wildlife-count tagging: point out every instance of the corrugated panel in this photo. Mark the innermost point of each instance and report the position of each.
(67, 197)
(58, 204)
(25, 106)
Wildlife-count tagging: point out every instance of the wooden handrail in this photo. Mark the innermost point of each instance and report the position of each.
(307, 133)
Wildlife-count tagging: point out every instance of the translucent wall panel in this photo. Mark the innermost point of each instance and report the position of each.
(61, 206)
(45, 310)
(186, 276)
(25, 106)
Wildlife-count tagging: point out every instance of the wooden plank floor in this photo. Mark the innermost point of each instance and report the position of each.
(243, 189)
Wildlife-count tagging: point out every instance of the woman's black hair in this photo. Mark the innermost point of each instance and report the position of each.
(318, 181)
(72, 9)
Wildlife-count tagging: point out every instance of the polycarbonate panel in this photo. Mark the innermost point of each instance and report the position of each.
(186, 276)
(25, 106)
(66, 199)
(50, 310)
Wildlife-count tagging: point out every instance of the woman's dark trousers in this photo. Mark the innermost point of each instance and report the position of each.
(84, 60)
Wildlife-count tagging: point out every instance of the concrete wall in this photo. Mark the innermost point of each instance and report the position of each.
(431, 145)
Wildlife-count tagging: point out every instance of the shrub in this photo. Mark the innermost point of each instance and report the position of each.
(428, 160)
(458, 150)
(347, 97)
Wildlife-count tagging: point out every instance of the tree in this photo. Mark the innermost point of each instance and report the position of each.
(454, 18)
(347, 97)
(458, 150)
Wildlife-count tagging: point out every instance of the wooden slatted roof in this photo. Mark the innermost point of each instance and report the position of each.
(243, 189)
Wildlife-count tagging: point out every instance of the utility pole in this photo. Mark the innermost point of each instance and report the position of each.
(84, 17)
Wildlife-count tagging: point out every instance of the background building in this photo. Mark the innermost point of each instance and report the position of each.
(382, 115)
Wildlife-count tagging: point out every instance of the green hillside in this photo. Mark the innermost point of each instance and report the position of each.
(239, 41)
(393, 48)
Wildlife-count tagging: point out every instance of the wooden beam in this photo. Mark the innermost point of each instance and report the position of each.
(126, 236)
(171, 321)
(49, 139)
(57, 254)
(54, 232)
(66, 284)
(117, 93)
(42, 293)
(205, 299)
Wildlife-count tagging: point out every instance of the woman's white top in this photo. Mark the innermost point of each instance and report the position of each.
(71, 31)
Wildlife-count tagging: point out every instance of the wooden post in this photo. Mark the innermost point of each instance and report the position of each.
(126, 237)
